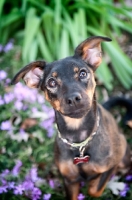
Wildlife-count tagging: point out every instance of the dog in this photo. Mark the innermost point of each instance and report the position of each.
(88, 145)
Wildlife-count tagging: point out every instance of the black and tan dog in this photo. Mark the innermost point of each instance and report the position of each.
(88, 145)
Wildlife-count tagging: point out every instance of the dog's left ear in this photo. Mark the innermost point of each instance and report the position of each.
(90, 50)
(31, 74)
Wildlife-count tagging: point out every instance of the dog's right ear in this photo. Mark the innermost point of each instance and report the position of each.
(31, 74)
(90, 50)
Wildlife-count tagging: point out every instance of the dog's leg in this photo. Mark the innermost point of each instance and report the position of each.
(69, 172)
(72, 189)
(97, 186)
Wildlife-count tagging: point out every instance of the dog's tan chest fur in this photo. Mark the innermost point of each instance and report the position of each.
(73, 123)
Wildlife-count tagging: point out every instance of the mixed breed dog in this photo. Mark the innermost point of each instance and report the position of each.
(89, 145)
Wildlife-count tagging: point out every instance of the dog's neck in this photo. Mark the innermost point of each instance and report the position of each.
(77, 130)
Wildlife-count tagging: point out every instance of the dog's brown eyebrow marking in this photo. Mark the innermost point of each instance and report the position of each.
(76, 69)
(59, 81)
(54, 74)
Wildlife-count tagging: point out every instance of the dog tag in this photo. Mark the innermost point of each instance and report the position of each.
(78, 160)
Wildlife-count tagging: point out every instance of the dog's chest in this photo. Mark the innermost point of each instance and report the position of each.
(84, 171)
(98, 156)
(97, 150)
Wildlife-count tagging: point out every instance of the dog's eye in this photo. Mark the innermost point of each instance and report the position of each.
(52, 83)
(83, 74)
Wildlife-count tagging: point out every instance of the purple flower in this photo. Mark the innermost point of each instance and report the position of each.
(18, 105)
(50, 132)
(128, 177)
(124, 191)
(16, 169)
(51, 183)
(28, 185)
(4, 182)
(34, 110)
(5, 125)
(82, 184)
(3, 75)
(1, 48)
(8, 97)
(11, 185)
(8, 80)
(5, 173)
(46, 196)
(48, 110)
(22, 92)
(22, 131)
(8, 46)
(25, 107)
(34, 174)
(40, 99)
(1, 101)
(36, 193)
(19, 189)
(47, 123)
(81, 197)
(3, 189)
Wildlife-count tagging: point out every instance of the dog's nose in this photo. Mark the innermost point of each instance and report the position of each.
(74, 99)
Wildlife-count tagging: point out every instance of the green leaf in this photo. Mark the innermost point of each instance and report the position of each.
(70, 26)
(57, 13)
(43, 47)
(105, 76)
(80, 24)
(64, 45)
(47, 26)
(7, 20)
(122, 24)
(32, 25)
(33, 50)
(121, 64)
(1, 6)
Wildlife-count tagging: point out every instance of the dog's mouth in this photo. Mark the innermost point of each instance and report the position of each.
(79, 113)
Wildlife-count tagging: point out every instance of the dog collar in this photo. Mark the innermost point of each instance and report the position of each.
(81, 146)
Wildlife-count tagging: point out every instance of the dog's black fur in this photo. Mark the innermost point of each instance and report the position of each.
(69, 85)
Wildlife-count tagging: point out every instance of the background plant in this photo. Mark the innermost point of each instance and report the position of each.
(52, 29)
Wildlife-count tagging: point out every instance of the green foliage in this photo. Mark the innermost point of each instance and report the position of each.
(52, 29)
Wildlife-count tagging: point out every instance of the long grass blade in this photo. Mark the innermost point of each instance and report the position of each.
(32, 25)
(10, 18)
(64, 45)
(33, 50)
(1, 6)
(44, 47)
(105, 76)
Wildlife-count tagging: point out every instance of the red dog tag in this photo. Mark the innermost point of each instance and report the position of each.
(78, 160)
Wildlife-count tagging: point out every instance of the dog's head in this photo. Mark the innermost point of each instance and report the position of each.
(68, 84)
